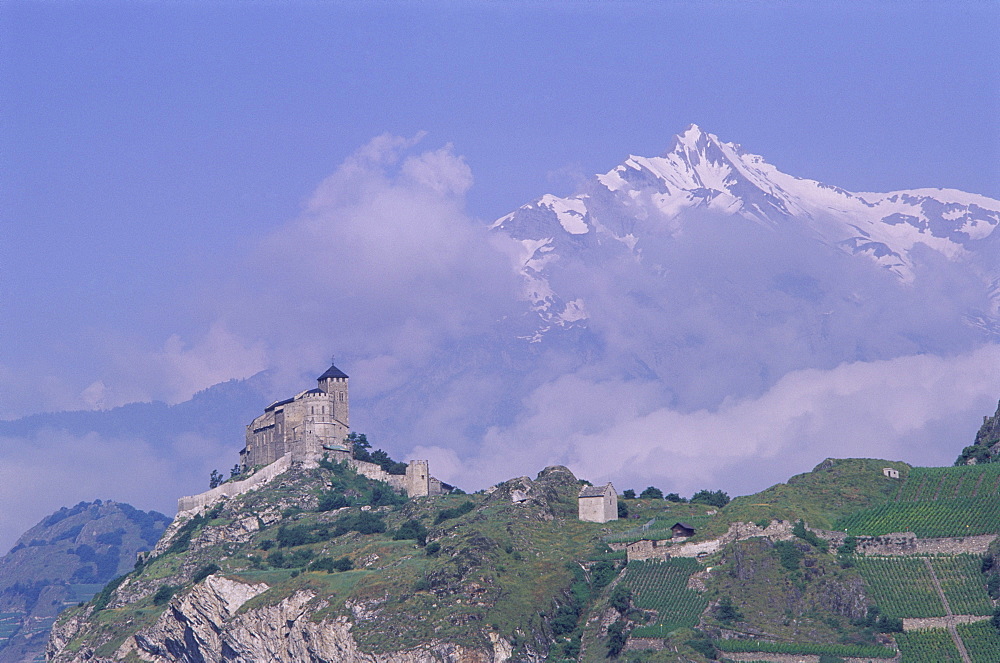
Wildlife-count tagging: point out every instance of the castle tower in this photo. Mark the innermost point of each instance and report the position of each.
(417, 478)
(334, 382)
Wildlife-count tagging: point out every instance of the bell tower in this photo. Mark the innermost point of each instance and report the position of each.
(334, 383)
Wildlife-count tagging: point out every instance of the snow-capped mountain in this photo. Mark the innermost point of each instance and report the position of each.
(649, 203)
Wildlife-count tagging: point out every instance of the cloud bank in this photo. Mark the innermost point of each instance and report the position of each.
(922, 409)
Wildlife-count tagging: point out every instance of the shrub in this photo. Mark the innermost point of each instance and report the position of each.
(799, 530)
(703, 647)
(602, 573)
(621, 598)
(789, 554)
(651, 493)
(628, 494)
(104, 596)
(204, 572)
(330, 565)
(164, 594)
(433, 549)
(411, 529)
(455, 512)
(369, 523)
(849, 545)
(182, 539)
(616, 639)
(331, 500)
(726, 612)
(622, 510)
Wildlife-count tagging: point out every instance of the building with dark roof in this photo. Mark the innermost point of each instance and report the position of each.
(313, 422)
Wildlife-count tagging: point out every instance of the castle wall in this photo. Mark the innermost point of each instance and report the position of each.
(234, 488)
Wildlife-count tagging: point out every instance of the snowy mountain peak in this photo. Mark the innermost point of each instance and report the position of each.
(654, 199)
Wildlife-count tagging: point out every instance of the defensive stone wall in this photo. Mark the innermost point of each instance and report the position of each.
(234, 488)
(417, 481)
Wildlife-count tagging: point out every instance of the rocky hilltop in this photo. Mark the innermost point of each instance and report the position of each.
(986, 448)
(287, 573)
(324, 564)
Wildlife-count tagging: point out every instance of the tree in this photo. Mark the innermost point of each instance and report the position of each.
(711, 497)
(628, 494)
(621, 598)
(235, 471)
(616, 639)
(622, 510)
(651, 493)
(674, 497)
(359, 446)
(215, 479)
(726, 612)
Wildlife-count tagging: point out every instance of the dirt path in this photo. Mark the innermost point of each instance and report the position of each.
(947, 608)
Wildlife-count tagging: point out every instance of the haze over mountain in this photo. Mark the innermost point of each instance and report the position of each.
(695, 320)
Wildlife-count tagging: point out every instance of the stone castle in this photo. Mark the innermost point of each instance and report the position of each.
(304, 429)
(312, 423)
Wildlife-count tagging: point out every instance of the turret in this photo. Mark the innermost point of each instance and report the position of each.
(334, 382)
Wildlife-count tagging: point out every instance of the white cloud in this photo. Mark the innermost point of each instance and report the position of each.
(922, 409)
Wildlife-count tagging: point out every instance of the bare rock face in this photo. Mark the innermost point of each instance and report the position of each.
(206, 625)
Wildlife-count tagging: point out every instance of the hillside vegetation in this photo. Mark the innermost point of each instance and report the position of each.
(325, 564)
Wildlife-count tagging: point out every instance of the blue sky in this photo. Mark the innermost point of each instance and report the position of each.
(148, 150)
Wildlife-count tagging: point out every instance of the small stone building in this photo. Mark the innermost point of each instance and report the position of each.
(598, 504)
(890, 472)
(647, 549)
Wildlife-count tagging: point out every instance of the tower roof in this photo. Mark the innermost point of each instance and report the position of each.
(332, 372)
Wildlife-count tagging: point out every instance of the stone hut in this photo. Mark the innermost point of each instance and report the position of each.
(647, 549)
(598, 504)
(682, 530)
(890, 472)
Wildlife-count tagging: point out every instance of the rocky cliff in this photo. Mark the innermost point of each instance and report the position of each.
(986, 448)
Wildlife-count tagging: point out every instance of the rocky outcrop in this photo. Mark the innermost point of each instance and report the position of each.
(986, 448)
(208, 625)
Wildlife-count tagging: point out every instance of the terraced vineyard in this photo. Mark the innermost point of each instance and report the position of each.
(901, 586)
(935, 502)
(662, 586)
(981, 641)
(938, 518)
(806, 648)
(9, 622)
(963, 584)
(930, 646)
(937, 483)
